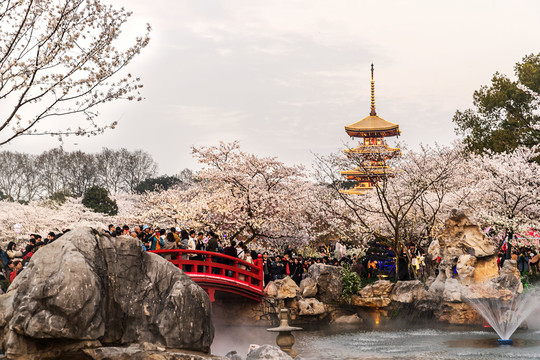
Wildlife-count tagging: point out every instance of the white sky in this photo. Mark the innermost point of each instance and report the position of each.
(284, 77)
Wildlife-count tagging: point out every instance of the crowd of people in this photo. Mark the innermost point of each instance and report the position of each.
(277, 264)
(527, 259)
(14, 259)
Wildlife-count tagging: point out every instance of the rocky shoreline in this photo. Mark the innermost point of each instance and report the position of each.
(461, 266)
(89, 296)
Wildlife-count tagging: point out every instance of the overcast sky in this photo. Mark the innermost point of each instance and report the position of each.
(285, 77)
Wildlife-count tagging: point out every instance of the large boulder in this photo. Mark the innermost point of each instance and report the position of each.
(329, 281)
(146, 351)
(308, 287)
(353, 319)
(374, 295)
(462, 237)
(407, 291)
(486, 268)
(377, 302)
(486, 291)
(465, 268)
(457, 313)
(271, 289)
(452, 291)
(380, 288)
(505, 286)
(310, 306)
(509, 278)
(434, 249)
(266, 352)
(87, 288)
(282, 289)
(437, 286)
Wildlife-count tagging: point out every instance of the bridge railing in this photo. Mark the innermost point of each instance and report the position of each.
(216, 265)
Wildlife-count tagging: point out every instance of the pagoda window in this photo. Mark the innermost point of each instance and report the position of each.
(379, 141)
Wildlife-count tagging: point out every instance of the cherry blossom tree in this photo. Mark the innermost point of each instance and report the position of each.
(503, 190)
(406, 204)
(238, 194)
(60, 60)
(41, 217)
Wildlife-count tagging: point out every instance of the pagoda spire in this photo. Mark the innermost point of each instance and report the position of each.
(373, 112)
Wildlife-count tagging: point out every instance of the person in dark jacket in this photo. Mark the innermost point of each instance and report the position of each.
(212, 243)
(231, 249)
(276, 268)
(297, 269)
(266, 268)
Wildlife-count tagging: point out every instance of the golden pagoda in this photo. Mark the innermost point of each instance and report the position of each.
(373, 152)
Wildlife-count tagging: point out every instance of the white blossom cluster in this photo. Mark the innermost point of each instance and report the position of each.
(258, 199)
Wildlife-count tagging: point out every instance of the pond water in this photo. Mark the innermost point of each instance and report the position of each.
(418, 342)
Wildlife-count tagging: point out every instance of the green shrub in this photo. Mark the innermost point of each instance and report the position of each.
(160, 183)
(60, 196)
(351, 282)
(97, 199)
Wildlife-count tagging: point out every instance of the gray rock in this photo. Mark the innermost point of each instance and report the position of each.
(462, 237)
(377, 302)
(465, 268)
(270, 290)
(310, 306)
(438, 285)
(233, 355)
(267, 352)
(308, 287)
(452, 291)
(88, 287)
(380, 288)
(407, 291)
(434, 249)
(283, 288)
(509, 278)
(353, 319)
(329, 281)
(145, 352)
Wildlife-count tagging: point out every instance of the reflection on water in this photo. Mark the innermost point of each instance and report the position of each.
(388, 343)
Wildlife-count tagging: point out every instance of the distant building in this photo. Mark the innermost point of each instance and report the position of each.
(373, 152)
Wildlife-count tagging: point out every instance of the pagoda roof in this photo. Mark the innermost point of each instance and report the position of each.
(372, 126)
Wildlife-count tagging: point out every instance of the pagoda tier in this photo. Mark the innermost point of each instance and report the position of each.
(372, 127)
(358, 190)
(372, 152)
(367, 173)
(382, 151)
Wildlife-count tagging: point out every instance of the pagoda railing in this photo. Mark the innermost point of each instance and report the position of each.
(215, 271)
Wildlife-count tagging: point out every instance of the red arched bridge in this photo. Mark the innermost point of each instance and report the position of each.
(217, 272)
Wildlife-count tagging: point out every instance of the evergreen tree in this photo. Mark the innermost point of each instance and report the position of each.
(163, 182)
(97, 199)
(505, 114)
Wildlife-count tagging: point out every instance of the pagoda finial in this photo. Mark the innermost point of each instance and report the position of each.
(373, 112)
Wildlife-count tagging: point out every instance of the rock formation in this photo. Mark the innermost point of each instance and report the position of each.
(466, 249)
(329, 282)
(87, 289)
(467, 270)
(282, 289)
(266, 352)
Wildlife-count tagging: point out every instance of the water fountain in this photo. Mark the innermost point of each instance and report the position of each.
(505, 316)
